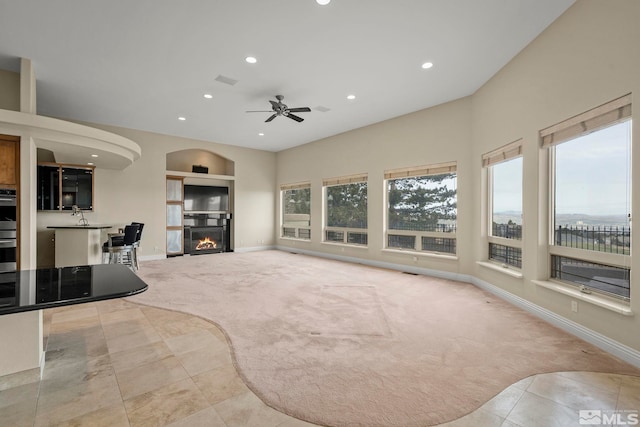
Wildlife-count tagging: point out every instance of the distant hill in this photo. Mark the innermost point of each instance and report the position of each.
(569, 219)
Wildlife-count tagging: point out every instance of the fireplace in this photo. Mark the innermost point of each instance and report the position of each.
(208, 233)
(206, 240)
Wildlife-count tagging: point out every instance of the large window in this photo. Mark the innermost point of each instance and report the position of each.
(504, 173)
(422, 208)
(346, 210)
(296, 211)
(590, 243)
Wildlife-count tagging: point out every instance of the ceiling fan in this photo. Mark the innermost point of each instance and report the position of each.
(280, 109)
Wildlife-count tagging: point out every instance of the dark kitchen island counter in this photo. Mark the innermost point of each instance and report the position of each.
(29, 290)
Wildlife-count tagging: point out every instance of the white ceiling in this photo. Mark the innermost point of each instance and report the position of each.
(143, 63)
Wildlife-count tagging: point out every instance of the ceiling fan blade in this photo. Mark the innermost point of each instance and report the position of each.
(273, 116)
(274, 104)
(299, 110)
(294, 117)
(259, 111)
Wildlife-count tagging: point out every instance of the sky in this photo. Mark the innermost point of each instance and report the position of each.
(592, 175)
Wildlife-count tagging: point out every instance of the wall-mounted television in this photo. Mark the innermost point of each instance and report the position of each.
(205, 198)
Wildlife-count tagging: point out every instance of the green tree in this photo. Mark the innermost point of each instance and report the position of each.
(347, 205)
(419, 203)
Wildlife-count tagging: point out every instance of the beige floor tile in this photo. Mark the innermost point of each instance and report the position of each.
(117, 304)
(504, 402)
(121, 315)
(607, 382)
(19, 394)
(524, 383)
(205, 359)
(142, 355)
(29, 376)
(206, 418)
(181, 327)
(508, 423)
(67, 403)
(68, 347)
(110, 416)
(246, 410)
(160, 315)
(193, 341)
(475, 419)
(19, 414)
(136, 337)
(220, 384)
(574, 394)
(74, 313)
(533, 410)
(629, 398)
(75, 325)
(146, 378)
(125, 327)
(165, 405)
(60, 374)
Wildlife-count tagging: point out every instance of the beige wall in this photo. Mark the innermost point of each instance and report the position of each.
(137, 193)
(9, 90)
(587, 57)
(437, 135)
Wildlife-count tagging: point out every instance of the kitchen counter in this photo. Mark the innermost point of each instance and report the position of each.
(79, 244)
(29, 290)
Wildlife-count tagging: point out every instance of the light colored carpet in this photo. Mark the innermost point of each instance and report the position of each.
(348, 345)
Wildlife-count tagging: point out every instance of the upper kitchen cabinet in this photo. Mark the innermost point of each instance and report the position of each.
(60, 187)
(8, 161)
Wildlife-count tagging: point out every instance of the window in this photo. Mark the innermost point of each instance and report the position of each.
(296, 211)
(504, 174)
(346, 210)
(590, 157)
(422, 208)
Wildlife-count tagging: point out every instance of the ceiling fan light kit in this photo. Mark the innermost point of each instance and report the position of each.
(278, 108)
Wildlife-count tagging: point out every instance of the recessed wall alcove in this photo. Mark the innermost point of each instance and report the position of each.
(184, 222)
(183, 161)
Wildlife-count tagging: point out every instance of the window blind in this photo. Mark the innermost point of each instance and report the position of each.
(351, 179)
(436, 169)
(587, 122)
(504, 153)
(298, 186)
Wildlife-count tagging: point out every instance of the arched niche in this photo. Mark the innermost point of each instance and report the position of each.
(184, 160)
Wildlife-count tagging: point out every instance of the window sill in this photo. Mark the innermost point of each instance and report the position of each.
(501, 269)
(421, 254)
(600, 301)
(296, 239)
(349, 245)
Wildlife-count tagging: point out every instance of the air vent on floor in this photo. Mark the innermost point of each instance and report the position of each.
(226, 80)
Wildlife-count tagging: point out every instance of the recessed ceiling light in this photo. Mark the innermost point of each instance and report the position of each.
(94, 155)
(182, 118)
(251, 59)
(323, 2)
(90, 163)
(351, 97)
(261, 134)
(427, 65)
(208, 95)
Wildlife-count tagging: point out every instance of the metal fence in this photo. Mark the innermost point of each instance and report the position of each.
(611, 239)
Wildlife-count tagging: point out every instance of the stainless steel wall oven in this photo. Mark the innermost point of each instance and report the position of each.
(8, 231)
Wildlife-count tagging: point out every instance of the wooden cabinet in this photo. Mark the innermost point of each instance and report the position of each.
(8, 161)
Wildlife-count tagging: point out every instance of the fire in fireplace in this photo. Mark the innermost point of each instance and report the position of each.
(206, 244)
(209, 239)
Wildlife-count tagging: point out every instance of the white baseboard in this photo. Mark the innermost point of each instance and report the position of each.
(607, 344)
(254, 249)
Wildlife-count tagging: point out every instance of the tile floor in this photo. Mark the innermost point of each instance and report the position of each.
(116, 363)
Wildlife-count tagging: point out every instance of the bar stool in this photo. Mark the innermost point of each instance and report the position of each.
(123, 251)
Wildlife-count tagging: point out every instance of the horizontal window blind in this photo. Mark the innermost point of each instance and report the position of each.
(502, 154)
(436, 169)
(298, 186)
(587, 122)
(351, 179)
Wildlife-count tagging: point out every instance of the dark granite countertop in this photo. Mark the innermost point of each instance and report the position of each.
(29, 290)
